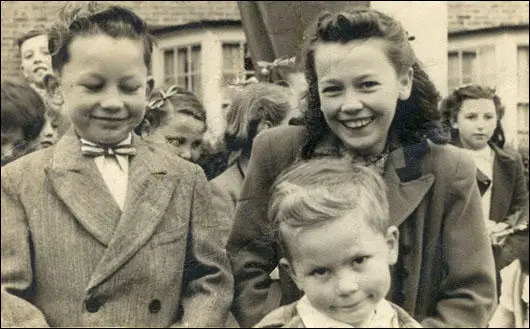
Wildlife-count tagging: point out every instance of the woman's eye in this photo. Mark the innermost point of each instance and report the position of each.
(368, 84)
(331, 89)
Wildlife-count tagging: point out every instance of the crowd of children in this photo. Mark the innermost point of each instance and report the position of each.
(366, 213)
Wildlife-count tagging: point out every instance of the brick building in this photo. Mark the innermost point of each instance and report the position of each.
(487, 43)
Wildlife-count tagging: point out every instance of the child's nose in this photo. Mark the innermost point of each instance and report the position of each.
(347, 283)
(112, 102)
(185, 153)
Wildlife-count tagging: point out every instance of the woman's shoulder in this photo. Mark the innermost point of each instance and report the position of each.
(449, 158)
(285, 316)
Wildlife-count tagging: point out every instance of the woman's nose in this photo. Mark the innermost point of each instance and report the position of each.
(351, 102)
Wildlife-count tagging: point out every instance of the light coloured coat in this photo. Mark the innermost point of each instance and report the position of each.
(71, 258)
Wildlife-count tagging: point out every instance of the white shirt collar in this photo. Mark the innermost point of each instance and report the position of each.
(384, 316)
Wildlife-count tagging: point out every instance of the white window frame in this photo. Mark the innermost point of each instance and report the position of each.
(210, 39)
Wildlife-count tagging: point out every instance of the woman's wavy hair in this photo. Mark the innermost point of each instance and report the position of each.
(450, 107)
(92, 18)
(251, 105)
(416, 118)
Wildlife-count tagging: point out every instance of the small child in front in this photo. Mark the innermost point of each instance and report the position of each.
(333, 225)
(105, 229)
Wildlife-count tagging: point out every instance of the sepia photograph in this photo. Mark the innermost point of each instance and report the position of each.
(265, 164)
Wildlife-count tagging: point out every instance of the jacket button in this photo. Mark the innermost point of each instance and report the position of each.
(93, 304)
(155, 306)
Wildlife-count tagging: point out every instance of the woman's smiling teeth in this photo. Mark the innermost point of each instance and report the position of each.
(358, 123)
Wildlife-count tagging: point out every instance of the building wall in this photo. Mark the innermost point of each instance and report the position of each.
(20, 16)
(472, 15)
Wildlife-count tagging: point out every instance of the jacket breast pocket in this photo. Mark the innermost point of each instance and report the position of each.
(169, 236)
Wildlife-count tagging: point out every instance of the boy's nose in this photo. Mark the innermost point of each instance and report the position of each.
(347, 284)
(112, 103)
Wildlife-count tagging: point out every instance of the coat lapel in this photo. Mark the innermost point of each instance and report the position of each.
(149, 193)
(503, 184)
(78, 183)
(407, 184)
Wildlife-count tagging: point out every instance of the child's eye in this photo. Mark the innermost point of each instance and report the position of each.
(92, 87)
(196, 144)
(130, 88)
(28, 54)
(471, 116)
(176, 141)
(320, 272)
(488, 117)
(360, 260)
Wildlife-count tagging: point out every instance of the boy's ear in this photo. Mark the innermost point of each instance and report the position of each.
(406, 84)
(150, 86)
(392, 241)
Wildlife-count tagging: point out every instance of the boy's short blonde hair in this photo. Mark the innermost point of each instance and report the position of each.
(314, 192)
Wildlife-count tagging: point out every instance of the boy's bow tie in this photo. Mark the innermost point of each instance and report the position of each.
(95, 150)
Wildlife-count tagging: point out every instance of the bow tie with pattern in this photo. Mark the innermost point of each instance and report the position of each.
(93, 150)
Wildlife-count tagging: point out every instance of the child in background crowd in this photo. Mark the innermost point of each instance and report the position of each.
(177, 117)
(369, 97)
(256, 107)
(474, 113)
(338, 245)
(106, 229)
(23, 119)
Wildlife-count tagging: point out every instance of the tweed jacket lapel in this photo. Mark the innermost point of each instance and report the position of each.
(149, 194)
(407, 180)
(78, 183)
(503, 184)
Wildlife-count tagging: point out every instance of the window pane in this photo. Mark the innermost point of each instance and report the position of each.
(487, 66)
(468, 67)
(453, 73)
(522, 75)
(182, 61)
(169, 64)
(195, 59)
(196, 85)
(231, 58)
